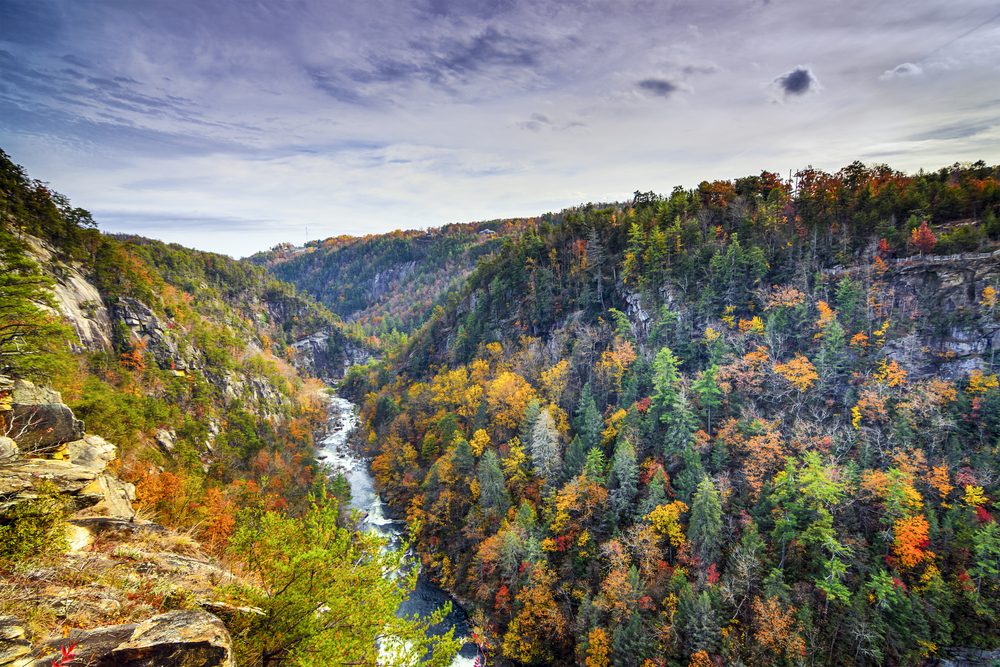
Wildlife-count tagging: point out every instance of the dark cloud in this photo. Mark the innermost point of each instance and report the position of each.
(691, 70)
(658, 87)
(797, 83)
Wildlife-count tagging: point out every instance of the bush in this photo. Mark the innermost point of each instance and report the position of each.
(33, 529)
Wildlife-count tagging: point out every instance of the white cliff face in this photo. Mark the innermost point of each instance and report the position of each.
(78, 300)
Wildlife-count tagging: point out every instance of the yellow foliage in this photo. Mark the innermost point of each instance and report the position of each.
(754, 325)
(711, 335)
(610, 431)
(856, 417)
(974, 496)
(480, 441)
(554, 381)
(859, 340)
(598, 649)
(890, 373)
(728, 317)
(826, 316)
(665, 520)
(508, 395)
(799, 371)
(939, 480)
(989, 297)
(980, 383)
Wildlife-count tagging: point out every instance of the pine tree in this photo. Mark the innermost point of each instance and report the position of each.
(576, 457)
(699, 622)
(691, 474)
(493, 495)
(665, 380)
(588, 419)
(544, 448)
(594, 467)
(623, 480)
(709, 395)
(705, 526)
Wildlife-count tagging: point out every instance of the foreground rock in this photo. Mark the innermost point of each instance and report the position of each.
(173, 639)
(39, 419)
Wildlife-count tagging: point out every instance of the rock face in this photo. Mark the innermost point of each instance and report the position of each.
(77, 299)
(327, 356)
(40, 419)
(15, 650)
(8, 450)
(174, 639)
(144, 324)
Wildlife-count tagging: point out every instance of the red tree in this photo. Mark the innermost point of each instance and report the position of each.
(923, 238)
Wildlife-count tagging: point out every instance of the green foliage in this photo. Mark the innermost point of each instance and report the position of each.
(33, 529)
(325, 594)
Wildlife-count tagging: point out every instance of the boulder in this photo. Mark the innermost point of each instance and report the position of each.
(8, 450)
(166, 441)
(91, 451)
(15, 650)
(40, 420)
(173, 639)
(85, 487)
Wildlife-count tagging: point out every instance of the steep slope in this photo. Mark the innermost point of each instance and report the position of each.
(750, 423)
(389, 281)
(155, 431)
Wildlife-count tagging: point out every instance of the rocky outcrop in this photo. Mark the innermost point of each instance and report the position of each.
(327, 355)
(143, 324)
(15, 649)
(38, 419)
(173, 639)
(77, 299)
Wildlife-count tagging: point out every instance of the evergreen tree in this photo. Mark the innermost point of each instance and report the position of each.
(544, 448)
(708, 393)
(623, 480)
(665, 380)
(699, 622)
(691, 474)
(576, 457)
(679, 426)
(705, 525)
(493, 495)
(588, 419)
(630, 643)
(594, 467)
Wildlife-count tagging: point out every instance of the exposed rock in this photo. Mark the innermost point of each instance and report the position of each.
(327, 355)
(92, 451)
(78, 301)
(40, 419)
(15, 650)
(8, 450)
(88, 490)
(174, 639)
(968, 657)
(166, 441)
(144, 324)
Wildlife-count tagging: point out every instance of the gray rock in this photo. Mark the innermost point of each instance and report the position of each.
(166, 441)
(15, 650)
(8, 450)
(91, 451)
(174, 639)
(40, 419)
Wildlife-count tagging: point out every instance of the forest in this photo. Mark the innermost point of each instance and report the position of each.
(752, 422)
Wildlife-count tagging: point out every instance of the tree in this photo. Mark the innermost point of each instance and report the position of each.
(324, 594)
(705, 526)
(623, 480)
(576, 457)
(923, 238)
(665, 379)
(493, 495)
(707, 392)
(544, 448)
(588, 419)
(30, 336)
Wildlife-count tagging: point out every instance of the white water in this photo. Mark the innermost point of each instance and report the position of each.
(336, 453)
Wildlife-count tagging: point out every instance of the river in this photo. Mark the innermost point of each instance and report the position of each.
(426, 597)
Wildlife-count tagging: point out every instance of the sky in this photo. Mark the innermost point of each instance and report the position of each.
(234, 125)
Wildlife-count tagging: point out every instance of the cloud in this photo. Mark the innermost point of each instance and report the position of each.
(658, 87)
(955, 131)
(902, 70)
(796, 83)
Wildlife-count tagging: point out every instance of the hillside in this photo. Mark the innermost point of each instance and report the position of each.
(387, 282)
(161, 501)
(753, 422)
